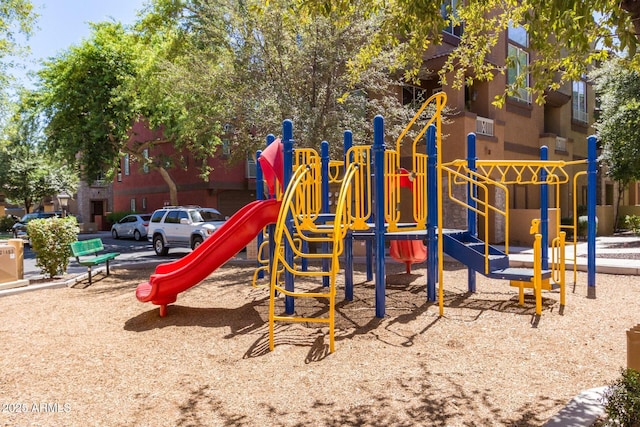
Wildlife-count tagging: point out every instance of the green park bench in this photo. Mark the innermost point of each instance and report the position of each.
(87, 254)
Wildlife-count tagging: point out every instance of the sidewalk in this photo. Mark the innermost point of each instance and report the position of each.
(623, 255)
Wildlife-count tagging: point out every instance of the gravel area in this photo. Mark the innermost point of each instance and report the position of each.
(95, 356)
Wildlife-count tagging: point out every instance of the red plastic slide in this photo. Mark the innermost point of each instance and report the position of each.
(174, 277)
(408, 251)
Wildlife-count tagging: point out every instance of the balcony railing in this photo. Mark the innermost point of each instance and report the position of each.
(484, 126)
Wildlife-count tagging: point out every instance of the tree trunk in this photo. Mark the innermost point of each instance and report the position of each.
(173, 189)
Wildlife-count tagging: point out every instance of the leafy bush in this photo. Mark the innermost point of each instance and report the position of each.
(113, 217)
(622, 400)
(50, 240)
(633, 223)
(583, 221)
(6, 222)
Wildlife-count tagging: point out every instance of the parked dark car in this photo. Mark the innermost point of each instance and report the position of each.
(19, 229)
(131, 226)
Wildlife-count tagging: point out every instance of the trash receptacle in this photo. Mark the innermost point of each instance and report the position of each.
(633, 348)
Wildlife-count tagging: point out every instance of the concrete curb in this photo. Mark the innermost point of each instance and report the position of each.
(70, 282)
(582, 410)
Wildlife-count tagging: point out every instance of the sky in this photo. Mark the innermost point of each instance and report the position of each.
(63, 23)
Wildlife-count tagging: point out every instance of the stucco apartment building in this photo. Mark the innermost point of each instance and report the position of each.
(520, 128)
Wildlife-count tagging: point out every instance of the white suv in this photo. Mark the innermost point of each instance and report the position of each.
(182, 226)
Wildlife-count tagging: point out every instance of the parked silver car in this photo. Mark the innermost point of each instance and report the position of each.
(131, 226)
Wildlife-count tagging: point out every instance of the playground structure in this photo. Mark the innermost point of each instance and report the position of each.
(367, 207)
(360, 213)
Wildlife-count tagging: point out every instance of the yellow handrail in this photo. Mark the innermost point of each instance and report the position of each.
(558, 263)
(483, 207)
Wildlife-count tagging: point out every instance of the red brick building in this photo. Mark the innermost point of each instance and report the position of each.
(142, 189)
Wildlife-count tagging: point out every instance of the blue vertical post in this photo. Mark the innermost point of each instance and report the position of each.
(472, 216)
(368, 242)
(347, 139)
(324, 166)
(348, 238)
(259, 196)
(544, 209)
(432, 213)
(287, 136)
(592, 174)
(378, 200)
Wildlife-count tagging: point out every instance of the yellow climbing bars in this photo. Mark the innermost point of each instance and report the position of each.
(332, 234)
(434, 107)
(308, 197)
(359, 191)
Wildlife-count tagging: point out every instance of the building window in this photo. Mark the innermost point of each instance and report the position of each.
(579, 102)
(449, 10)
(99, 181)
(145, 155)
(518, 62)
(250, 168)
(144, 204)
(226, 147)
(518, 35)
(119, 170)
(126, 165)
(132, 205)
(413, 96)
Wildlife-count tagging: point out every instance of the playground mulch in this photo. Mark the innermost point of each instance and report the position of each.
(96, 356)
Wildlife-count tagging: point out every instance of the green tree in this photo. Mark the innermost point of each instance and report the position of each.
(618, 126)
(27, 173)
(586, 31)
(92, 94)
(251, 67)
(16, 17)
(87, 115)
